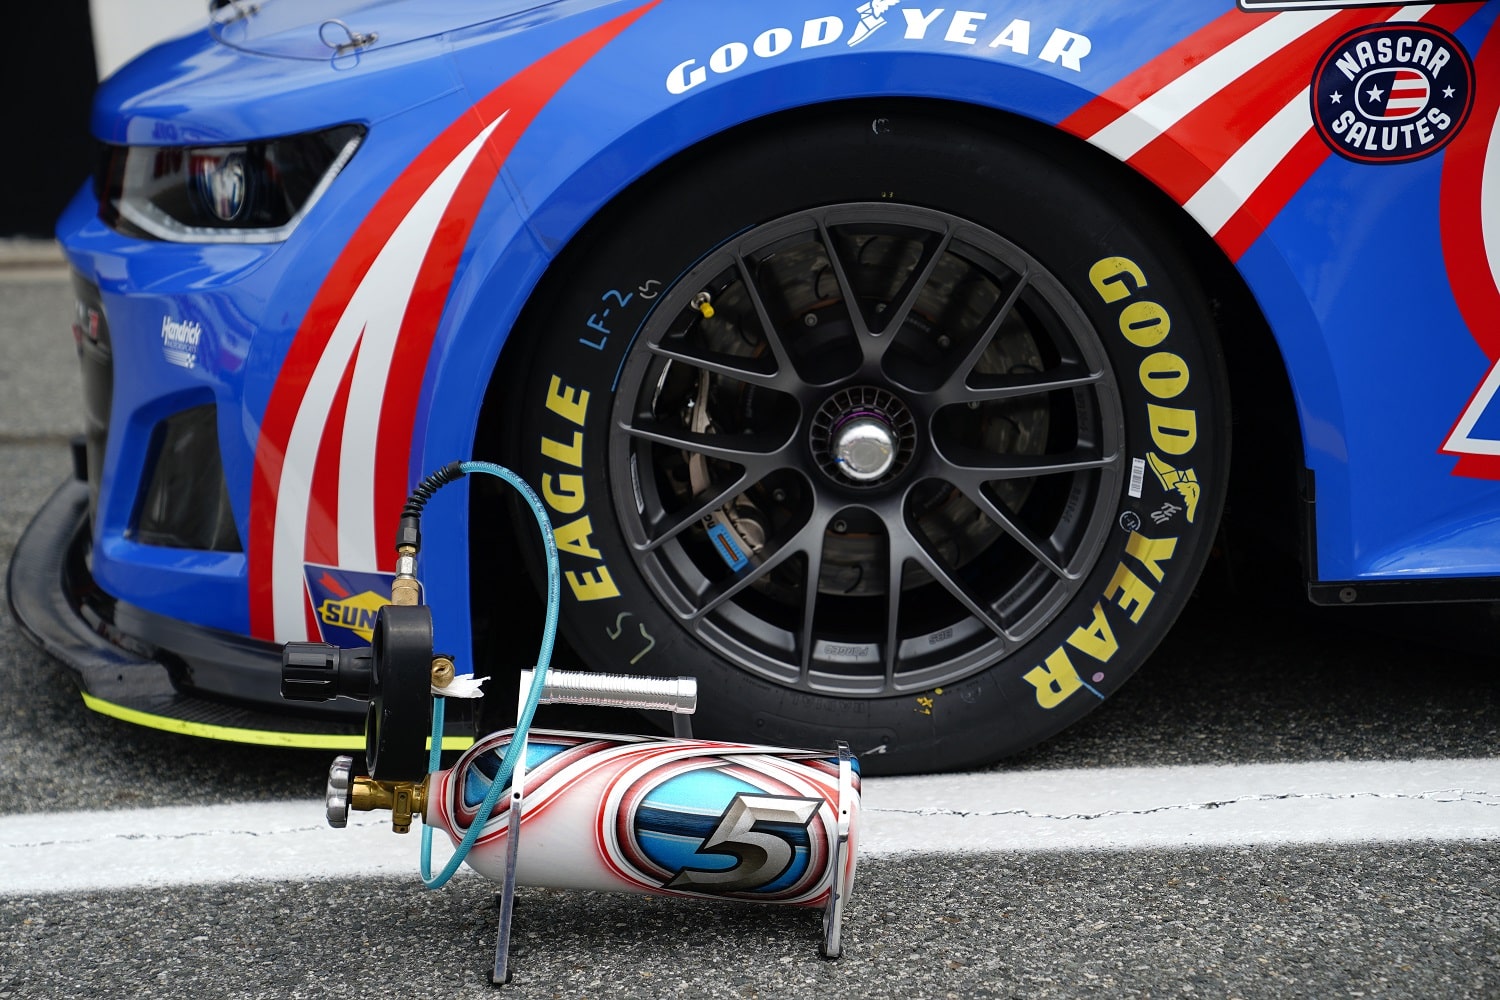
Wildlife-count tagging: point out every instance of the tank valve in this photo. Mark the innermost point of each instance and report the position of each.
(404, 799)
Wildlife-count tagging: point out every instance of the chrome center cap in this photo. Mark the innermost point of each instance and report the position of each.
(865, 448)
(863, 437)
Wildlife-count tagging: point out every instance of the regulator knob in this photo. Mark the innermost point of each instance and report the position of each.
(319, 671)
(337, 799)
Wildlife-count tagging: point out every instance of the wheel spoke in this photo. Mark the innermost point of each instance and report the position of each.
(911, 290)
(757, 453)
(957, 381)
(720, 364)
(964, 385)
(874, 343)
(846, 286)
(801, 539)
(966, 467)
(994, 387)
(785, 369)
(1042, 552)
(915, 547)
(895, 574)
(805, 634)
(667, 528)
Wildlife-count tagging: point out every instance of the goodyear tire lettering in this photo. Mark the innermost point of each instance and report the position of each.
(1174, 430)
(1151, 552)
(569, 454)
(1145, 324)
(592, 585)
(570, 404)
(1164, 375)
(1114, 278)
(565, 494)
(1056, 678)
(1096, 638)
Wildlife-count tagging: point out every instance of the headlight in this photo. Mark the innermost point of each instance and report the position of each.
(253, 192)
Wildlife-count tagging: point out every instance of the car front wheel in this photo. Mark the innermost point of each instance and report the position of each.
(888, 426)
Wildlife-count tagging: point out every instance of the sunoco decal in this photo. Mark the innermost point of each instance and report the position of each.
(1392, 93)
(345, 602)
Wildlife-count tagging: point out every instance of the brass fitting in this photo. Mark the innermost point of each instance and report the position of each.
(404, 799)
(405, 589)
(442, 671)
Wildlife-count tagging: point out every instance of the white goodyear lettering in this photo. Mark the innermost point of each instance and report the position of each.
(973, 28)
(1127, 597)
(565, 492)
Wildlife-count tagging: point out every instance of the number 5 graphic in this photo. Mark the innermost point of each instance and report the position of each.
(764, 855)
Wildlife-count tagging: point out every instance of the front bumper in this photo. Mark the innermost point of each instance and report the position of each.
(151, 670)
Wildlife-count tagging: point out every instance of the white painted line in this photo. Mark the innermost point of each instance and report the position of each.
(1109, 809)
(1100, 809)
(184, 845)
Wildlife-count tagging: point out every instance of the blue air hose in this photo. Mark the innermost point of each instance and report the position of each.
(538, 680)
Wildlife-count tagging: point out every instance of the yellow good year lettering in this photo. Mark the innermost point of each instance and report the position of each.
(568, 454)
(574, 537)
(1151, 552)
(1173, 429)
(1128, 590)
(1115, 278)
(592, 585)
(567, 496)
(1145, 324)
(1055, 680)
(565, 401)
(1164, 375)
(1096, 639)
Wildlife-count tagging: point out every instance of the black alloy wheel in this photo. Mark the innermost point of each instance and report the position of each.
(890, 423)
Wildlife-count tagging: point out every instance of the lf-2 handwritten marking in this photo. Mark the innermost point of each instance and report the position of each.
(597, 320)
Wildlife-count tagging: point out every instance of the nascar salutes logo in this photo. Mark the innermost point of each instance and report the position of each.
(1392, 93)
(346, 602)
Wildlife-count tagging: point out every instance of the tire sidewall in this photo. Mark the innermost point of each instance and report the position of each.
(1089, 228)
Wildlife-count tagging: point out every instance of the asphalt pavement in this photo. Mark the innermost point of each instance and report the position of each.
(1238, 681)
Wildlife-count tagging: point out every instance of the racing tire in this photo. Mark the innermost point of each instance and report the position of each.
(888, 423)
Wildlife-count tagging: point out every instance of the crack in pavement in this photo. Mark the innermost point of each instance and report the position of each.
(1440, 795)
(127, 835)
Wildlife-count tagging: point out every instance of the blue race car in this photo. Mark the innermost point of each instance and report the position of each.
(876, 361)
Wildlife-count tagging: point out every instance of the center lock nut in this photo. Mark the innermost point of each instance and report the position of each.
(863, 436)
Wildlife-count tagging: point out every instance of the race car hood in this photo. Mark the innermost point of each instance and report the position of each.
(276, 67)
(313, 29)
